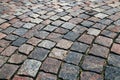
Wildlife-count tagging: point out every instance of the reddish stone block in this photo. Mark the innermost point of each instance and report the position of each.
(116, 48)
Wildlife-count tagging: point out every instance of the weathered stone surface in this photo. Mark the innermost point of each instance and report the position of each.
(88, 39)
(90, 76)
(58, 53)
(104, 41)
(17, 58)
(73, 57)
(80, 47)
(30, 67)
(93, 31)
(99, 51)
(68, 25)
(71, 36)
(19, 42)
(21, 78)
(93, 64)
(39, 54)
(113, 59)
(47, 44)
(9, 51)
(26, 49)
(112, 73)
(7, 71)
(34, 41)
(115, 48)
(69, 71)
(51, 65)
(46, 76)
(3, 59)
(64, 44)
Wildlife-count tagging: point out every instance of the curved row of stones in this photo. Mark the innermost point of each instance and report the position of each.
(67, 40)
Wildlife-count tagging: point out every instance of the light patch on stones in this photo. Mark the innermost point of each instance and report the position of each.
(101, 15)
(93, 31)
(47, 44)
(58, 53)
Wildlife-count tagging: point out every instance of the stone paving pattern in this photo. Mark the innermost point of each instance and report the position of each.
(67, 40)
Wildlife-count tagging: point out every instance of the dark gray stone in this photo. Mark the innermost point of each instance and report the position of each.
(39, 54)
(112, 73)
(71, 36)
(80, 47)
(42, 34)
(11, 37)
(114, 60)
(69, 72)
(19, 42)
(9, 30)
(73, 57)
(20, 31)
(87, 23)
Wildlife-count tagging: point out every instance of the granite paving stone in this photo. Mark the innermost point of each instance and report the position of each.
(30, 67)
(85, 38)
(20, 31)
(18, 42)
(3, 60)
(73, 57)
(93, 31)
(93, 64)
(7, 71)
(29, 25)
(17, 58)
(90, 75)
(69, 71)
(112, 73)
(51, 65)
(115, 48)
(26, 49)
(58, 53)
(11, 37)
(99, 51)
(79, 47)
(68, 25)
(71, 36)
(34, 41)
(47, 44)
(39, 54)
(46, 76)
(104, 41)
(113, 59)
(64, 44)
(9, 51)
(21, 78)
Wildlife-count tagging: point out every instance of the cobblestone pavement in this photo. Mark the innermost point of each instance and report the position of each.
(63, 40)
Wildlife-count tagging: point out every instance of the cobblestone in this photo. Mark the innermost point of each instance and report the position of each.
(9, 51)
(29, 67)
(73, 57)
(99, 51)
(59, 39)
(93, 64)
(45, 76)
(7, 71)
(69, 71)
(51, 65)
(58, 53)
(26, 49)
(90, 75)
(112, 73)
(39, 54)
